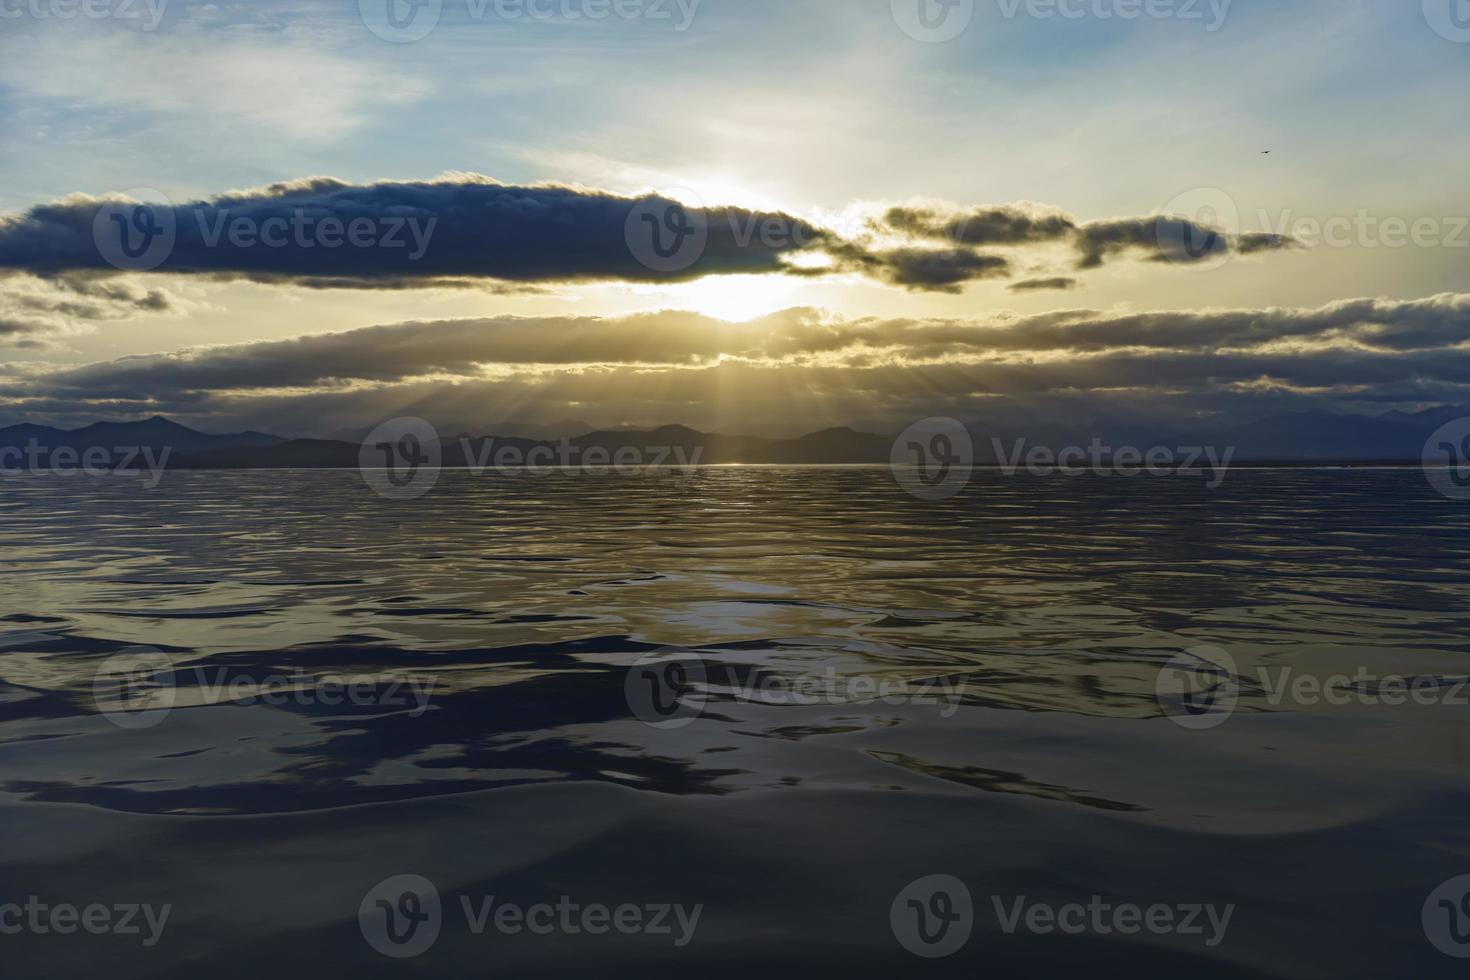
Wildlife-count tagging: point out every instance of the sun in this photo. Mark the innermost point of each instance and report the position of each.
(735, 298)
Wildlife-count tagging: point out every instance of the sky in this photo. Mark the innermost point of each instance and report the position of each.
(897, 209)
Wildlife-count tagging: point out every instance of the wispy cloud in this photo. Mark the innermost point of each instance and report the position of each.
(291, 90)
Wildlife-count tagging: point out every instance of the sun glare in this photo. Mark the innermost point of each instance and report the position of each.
(735, 298)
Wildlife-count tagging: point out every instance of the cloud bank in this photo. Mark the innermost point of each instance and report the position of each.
(663, 366)
(466, 230)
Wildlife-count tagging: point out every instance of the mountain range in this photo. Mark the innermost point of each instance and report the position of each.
(1310, 437)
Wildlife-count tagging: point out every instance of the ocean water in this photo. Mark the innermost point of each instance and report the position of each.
(658, 690)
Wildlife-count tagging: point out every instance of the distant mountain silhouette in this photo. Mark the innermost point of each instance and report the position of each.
(714, 448)
(1316, 436)
(830, 446)
(509, 430)
(292, 454)
(157, 433)
(669, 445)
(1305, 437)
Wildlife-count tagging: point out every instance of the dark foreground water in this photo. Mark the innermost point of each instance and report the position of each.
(1017, 633)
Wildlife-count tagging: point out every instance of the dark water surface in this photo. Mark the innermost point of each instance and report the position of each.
(1047, 606)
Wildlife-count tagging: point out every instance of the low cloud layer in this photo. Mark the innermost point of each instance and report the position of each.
(663, 366)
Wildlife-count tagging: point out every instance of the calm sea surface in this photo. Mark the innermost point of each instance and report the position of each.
(489, 733)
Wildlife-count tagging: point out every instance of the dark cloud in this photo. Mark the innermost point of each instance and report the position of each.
(1160, 238)
(468, 231)
(1038, 285)
(944, 270)
(1255, 242)
(1001, 225)
(458, 231)
(1166, 239)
